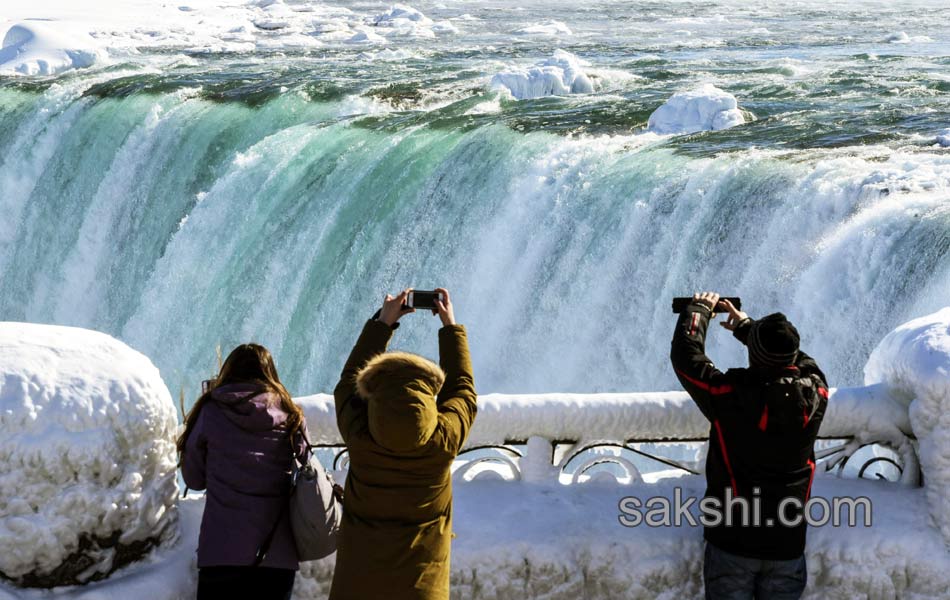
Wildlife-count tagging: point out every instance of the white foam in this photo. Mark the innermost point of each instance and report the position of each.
(550, 28)
(87, 445)
(901, 37)
(32, 48)
(703, 109)
(560, 75)
(943, 138)
(387, 54)
(444, 27)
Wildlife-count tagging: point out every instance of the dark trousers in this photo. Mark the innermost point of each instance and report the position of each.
(731, 577)
(250, 583)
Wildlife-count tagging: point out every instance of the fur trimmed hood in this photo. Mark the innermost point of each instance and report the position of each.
(400, 390)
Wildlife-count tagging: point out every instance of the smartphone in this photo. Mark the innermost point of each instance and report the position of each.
(423, 299)
(680, 304)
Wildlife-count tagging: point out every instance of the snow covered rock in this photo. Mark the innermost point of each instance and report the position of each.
(405, 21)
(707, 108)
(87, 446)
(32, 48)
(943, 138)
(401, 12)
(560, 75)
(913, 362)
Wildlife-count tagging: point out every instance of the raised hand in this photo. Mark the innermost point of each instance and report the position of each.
(444, 309)
(735, 316)
(709, 299)
(394, 308)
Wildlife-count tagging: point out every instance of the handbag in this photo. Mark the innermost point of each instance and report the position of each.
(315, 506)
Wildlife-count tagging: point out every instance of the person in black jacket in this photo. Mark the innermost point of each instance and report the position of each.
(764, 421)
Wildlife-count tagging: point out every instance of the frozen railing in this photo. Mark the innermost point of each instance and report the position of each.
(631, 437)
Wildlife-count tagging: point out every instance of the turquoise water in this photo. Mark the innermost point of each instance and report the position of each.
(182, 200)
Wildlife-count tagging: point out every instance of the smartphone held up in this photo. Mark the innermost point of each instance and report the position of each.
(680, 304)
(424, 299)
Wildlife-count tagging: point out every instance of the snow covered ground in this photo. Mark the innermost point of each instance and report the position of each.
(568, 544)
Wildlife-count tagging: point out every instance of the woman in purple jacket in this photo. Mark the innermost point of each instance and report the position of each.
(239, 443)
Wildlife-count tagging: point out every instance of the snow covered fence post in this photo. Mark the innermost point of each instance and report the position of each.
(913, 362)
(87, 432)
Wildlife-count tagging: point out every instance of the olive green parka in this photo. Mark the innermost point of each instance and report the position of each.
(403, 426)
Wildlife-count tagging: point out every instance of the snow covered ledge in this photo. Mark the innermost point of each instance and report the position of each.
(913, 363)
(87, 429)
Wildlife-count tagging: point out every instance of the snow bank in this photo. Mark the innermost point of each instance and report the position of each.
(913, 362)
(87, 446)
(553, 542)
(707, 108)
(560, 75)
(32, 48)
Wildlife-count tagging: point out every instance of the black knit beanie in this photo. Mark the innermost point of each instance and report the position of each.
(773, 342)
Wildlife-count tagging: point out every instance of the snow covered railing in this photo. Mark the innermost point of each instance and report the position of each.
(540, 437)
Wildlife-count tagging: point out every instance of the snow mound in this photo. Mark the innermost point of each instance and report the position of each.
(913, 362)
(707, 108)
(35, 49)
(87, 446)
(560, 75)
(943, 138)
(550, 29)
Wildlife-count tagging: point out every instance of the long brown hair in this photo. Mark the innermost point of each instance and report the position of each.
(248, 363)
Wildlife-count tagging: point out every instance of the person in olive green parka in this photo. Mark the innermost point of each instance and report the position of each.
(403, 420)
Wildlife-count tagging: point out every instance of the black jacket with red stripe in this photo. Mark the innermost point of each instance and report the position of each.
(761, 441)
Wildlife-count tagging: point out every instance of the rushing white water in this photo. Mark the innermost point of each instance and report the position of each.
(276, 198)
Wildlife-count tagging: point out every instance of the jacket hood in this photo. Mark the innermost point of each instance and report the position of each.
(400, 391)
(250, 406)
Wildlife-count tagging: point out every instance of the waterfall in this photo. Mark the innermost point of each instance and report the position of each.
(179, 222)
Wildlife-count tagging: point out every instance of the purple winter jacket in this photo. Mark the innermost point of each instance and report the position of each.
(240, 452)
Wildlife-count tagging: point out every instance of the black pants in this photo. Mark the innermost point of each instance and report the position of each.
(240, 583)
